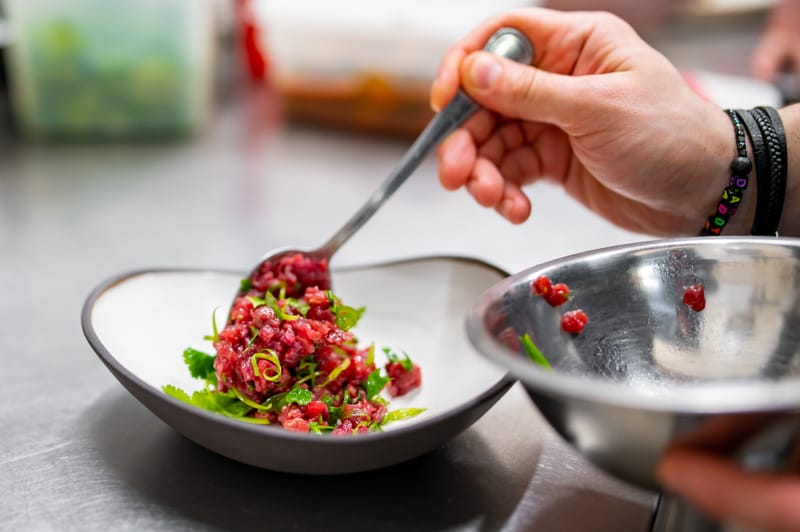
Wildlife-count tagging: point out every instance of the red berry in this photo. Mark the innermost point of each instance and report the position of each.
(558, 294)
(695, 297)
(541, 285)
(574, 321)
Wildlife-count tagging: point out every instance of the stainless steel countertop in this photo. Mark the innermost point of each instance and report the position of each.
(77, 452)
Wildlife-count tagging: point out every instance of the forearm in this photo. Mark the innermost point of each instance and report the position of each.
(790, 219)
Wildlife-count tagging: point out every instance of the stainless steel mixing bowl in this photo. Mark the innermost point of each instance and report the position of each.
(648, 372)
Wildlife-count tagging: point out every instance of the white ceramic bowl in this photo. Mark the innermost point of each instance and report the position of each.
(139, 323)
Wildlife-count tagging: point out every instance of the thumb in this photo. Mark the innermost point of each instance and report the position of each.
(522, 91)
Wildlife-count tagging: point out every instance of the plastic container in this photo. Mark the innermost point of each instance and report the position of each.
(361, 64)
(94, 68)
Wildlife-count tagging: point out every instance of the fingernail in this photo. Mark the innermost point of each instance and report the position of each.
(434, 89)
(485, 71)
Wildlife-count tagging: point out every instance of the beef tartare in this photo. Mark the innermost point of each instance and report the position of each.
(287, 356)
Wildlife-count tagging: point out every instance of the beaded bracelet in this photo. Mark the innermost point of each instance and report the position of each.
(771, 184)
(732, 194)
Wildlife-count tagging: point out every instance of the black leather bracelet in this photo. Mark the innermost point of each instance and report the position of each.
(733, 193)
(767, 220)
(761, 164)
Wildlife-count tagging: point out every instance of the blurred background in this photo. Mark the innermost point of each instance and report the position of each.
(158, 69)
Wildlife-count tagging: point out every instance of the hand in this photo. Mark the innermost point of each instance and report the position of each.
(716, 486)
(602, 114)
(779, 45)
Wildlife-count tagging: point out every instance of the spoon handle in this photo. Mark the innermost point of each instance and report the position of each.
(505, 42)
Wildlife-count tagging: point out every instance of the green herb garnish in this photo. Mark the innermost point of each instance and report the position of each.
(375, 383)
(405, 362)
(245, 285)
(200, 364)
(346, 317)
(343, 365)
(273, 303)
(214, 337)
(533, 352)
(401, 414)
(228, 405)
(272, 357)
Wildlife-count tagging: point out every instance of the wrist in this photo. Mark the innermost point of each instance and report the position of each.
(722, 151)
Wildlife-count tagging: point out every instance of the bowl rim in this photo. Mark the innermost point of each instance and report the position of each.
(691, 398)
(491, 393)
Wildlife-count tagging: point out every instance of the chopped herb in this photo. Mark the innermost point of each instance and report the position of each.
(335, 415)
(343, 365)
(270, 301)
(346, 317)
(316, 428)
(272, 357)
(371, 354)
(400, 414)
(245, 285)
(300, 306)
(307, 370)
(253, 335)
(533, 352)
(405, 362)
(375, 383)
(298, 395)
(226, 404)
(277, 285)
(214, 337)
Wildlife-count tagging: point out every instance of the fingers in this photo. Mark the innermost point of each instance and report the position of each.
(524, 92)
(461, 166)
(514, 204)
(718, 487)
(560, 40)
(457, 154)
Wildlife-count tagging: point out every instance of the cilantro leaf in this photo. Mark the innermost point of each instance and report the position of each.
(200, 364)
(298, 395)
(225, 404)
(346, 317)
(177, 393)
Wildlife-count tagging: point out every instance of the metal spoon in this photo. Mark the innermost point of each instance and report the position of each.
(505, 42)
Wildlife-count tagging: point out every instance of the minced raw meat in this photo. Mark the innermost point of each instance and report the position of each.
(287, 349)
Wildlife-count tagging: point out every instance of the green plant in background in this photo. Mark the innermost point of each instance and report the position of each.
(89, 69)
